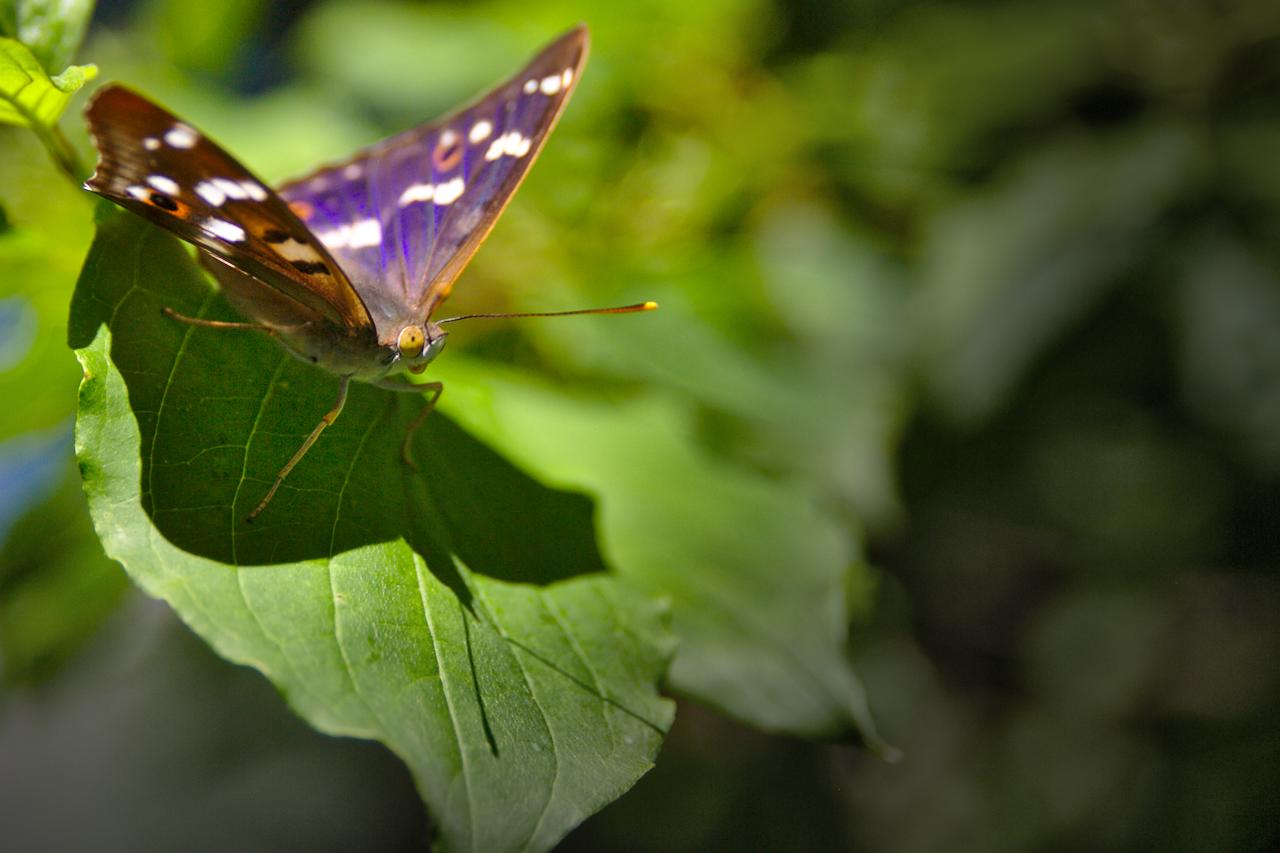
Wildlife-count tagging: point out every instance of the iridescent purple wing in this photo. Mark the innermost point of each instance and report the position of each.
(405, 216)
(164, 169)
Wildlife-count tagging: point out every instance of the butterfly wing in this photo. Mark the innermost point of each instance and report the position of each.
(162, 168)
(405, 216)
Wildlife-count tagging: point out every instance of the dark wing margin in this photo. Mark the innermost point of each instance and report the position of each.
(162, 168)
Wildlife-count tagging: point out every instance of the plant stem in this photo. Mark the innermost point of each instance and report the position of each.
(61, 152)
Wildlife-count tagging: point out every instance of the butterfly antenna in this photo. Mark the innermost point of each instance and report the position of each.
(621, 309)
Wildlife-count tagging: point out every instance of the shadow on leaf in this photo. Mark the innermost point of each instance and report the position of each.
(220, 411)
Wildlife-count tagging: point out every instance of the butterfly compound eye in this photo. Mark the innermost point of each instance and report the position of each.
(411, 341)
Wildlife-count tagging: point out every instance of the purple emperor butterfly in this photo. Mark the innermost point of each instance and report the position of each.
(344, 266)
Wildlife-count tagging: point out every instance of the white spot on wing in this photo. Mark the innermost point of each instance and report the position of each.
(335, 238)
(513, 144)
(530, 86)
(224, 230)
(292, 250)
(352, 171)
(550, 85)
(366, 232)
(210, 193)
(166, 185)
(417, 192)
(151, 143)
(448, 192)
(480, 131)
(566, 78)
(138, 192)
(357, 235)
(181, 136)
(231, 189)
(255, 190)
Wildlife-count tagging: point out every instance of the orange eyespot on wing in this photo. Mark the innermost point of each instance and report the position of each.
(447, 153)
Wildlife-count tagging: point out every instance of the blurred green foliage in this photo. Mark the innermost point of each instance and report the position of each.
(992, 285)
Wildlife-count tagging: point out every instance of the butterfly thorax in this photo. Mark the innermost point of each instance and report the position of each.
(410, 350)
(363, 354)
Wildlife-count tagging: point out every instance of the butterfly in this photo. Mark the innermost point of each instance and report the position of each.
(344, 266)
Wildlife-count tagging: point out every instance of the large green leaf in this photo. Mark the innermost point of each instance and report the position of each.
(761, 581)
(523, 698)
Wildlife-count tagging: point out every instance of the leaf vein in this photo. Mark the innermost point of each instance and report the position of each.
(419, 566)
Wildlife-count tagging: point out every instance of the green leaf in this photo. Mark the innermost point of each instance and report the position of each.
(29, 97)
(53, 29)
(760, 580)
(523, 699)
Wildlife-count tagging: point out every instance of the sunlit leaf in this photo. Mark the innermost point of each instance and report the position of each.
(460, 615)
(757, 576)
(29, 97)
(53, 29)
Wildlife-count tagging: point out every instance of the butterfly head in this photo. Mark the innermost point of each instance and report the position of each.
(417, 345)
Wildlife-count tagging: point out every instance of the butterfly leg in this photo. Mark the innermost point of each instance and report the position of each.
(329, 418)
(406, 449)
(434, 389)
(218, 324)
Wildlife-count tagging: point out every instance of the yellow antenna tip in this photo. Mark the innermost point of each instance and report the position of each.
(649, 306)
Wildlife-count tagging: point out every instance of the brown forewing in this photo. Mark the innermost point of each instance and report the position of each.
(162, 168)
